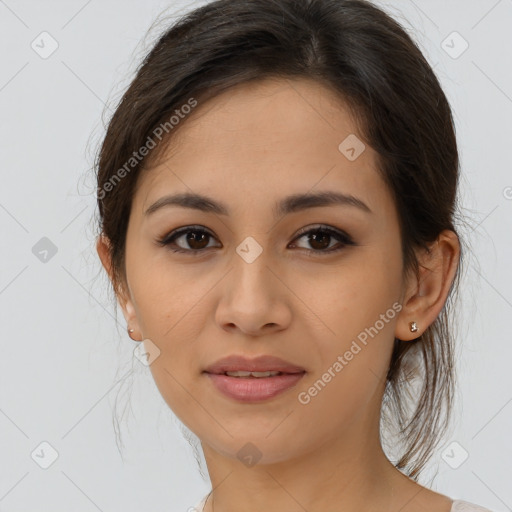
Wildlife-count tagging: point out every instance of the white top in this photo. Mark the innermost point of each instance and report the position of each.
(465, 506)
(458, 506)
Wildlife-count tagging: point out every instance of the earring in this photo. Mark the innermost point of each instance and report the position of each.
(130, 332)
(413, 326)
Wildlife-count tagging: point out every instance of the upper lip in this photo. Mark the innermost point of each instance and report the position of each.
(263, 363)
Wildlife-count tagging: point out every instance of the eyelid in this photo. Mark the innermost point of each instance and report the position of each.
(186, 229)
(322, 227)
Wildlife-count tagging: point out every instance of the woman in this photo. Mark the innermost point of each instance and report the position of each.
(277, 193)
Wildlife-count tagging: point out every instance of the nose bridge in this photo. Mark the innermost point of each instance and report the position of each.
(251, 297)
(250, 273)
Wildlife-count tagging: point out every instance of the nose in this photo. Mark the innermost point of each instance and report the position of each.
(253, 300)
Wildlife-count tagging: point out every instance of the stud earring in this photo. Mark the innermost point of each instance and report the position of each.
(413, 326)
(130, 332)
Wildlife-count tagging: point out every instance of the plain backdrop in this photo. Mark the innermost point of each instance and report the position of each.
(67, 366)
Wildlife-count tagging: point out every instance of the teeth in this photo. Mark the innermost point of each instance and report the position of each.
(253, 374)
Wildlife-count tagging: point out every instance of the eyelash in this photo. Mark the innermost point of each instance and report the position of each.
(342, 237)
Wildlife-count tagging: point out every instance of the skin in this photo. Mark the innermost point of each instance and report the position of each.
(248, 148)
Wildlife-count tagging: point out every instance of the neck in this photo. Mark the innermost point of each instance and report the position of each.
(349, 473)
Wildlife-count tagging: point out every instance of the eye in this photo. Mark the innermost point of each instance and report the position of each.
(320, 239)
(194, 239)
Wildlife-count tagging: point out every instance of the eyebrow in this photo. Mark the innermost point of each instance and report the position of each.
(290, 204)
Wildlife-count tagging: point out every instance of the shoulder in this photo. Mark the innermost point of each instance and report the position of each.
(457, 506)
(465, 506)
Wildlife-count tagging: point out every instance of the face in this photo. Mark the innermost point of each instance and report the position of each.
(317, 284)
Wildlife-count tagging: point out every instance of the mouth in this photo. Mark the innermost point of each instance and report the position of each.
(253, 380)
(240, 374)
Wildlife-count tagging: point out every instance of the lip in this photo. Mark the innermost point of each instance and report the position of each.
(264, 363)
(254, 389)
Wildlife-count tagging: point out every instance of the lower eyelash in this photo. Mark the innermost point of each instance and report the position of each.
(169, 239)
(343, 238)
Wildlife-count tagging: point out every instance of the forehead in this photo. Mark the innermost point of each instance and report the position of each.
(267, 138)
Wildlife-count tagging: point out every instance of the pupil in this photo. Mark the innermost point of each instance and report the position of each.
(193, 241)
(322, 237)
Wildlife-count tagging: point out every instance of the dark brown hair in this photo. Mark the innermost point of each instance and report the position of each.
(369, 60)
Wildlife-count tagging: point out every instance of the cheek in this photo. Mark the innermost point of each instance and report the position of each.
(358, 311)
(349, 298)
(169, 299)
(171, 311)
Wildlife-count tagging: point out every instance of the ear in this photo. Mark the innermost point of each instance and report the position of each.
(426, 294)
(123, 296)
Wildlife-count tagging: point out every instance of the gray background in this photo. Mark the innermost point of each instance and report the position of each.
(65, 360)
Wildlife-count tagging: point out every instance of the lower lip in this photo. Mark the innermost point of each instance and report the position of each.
(254, 389)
